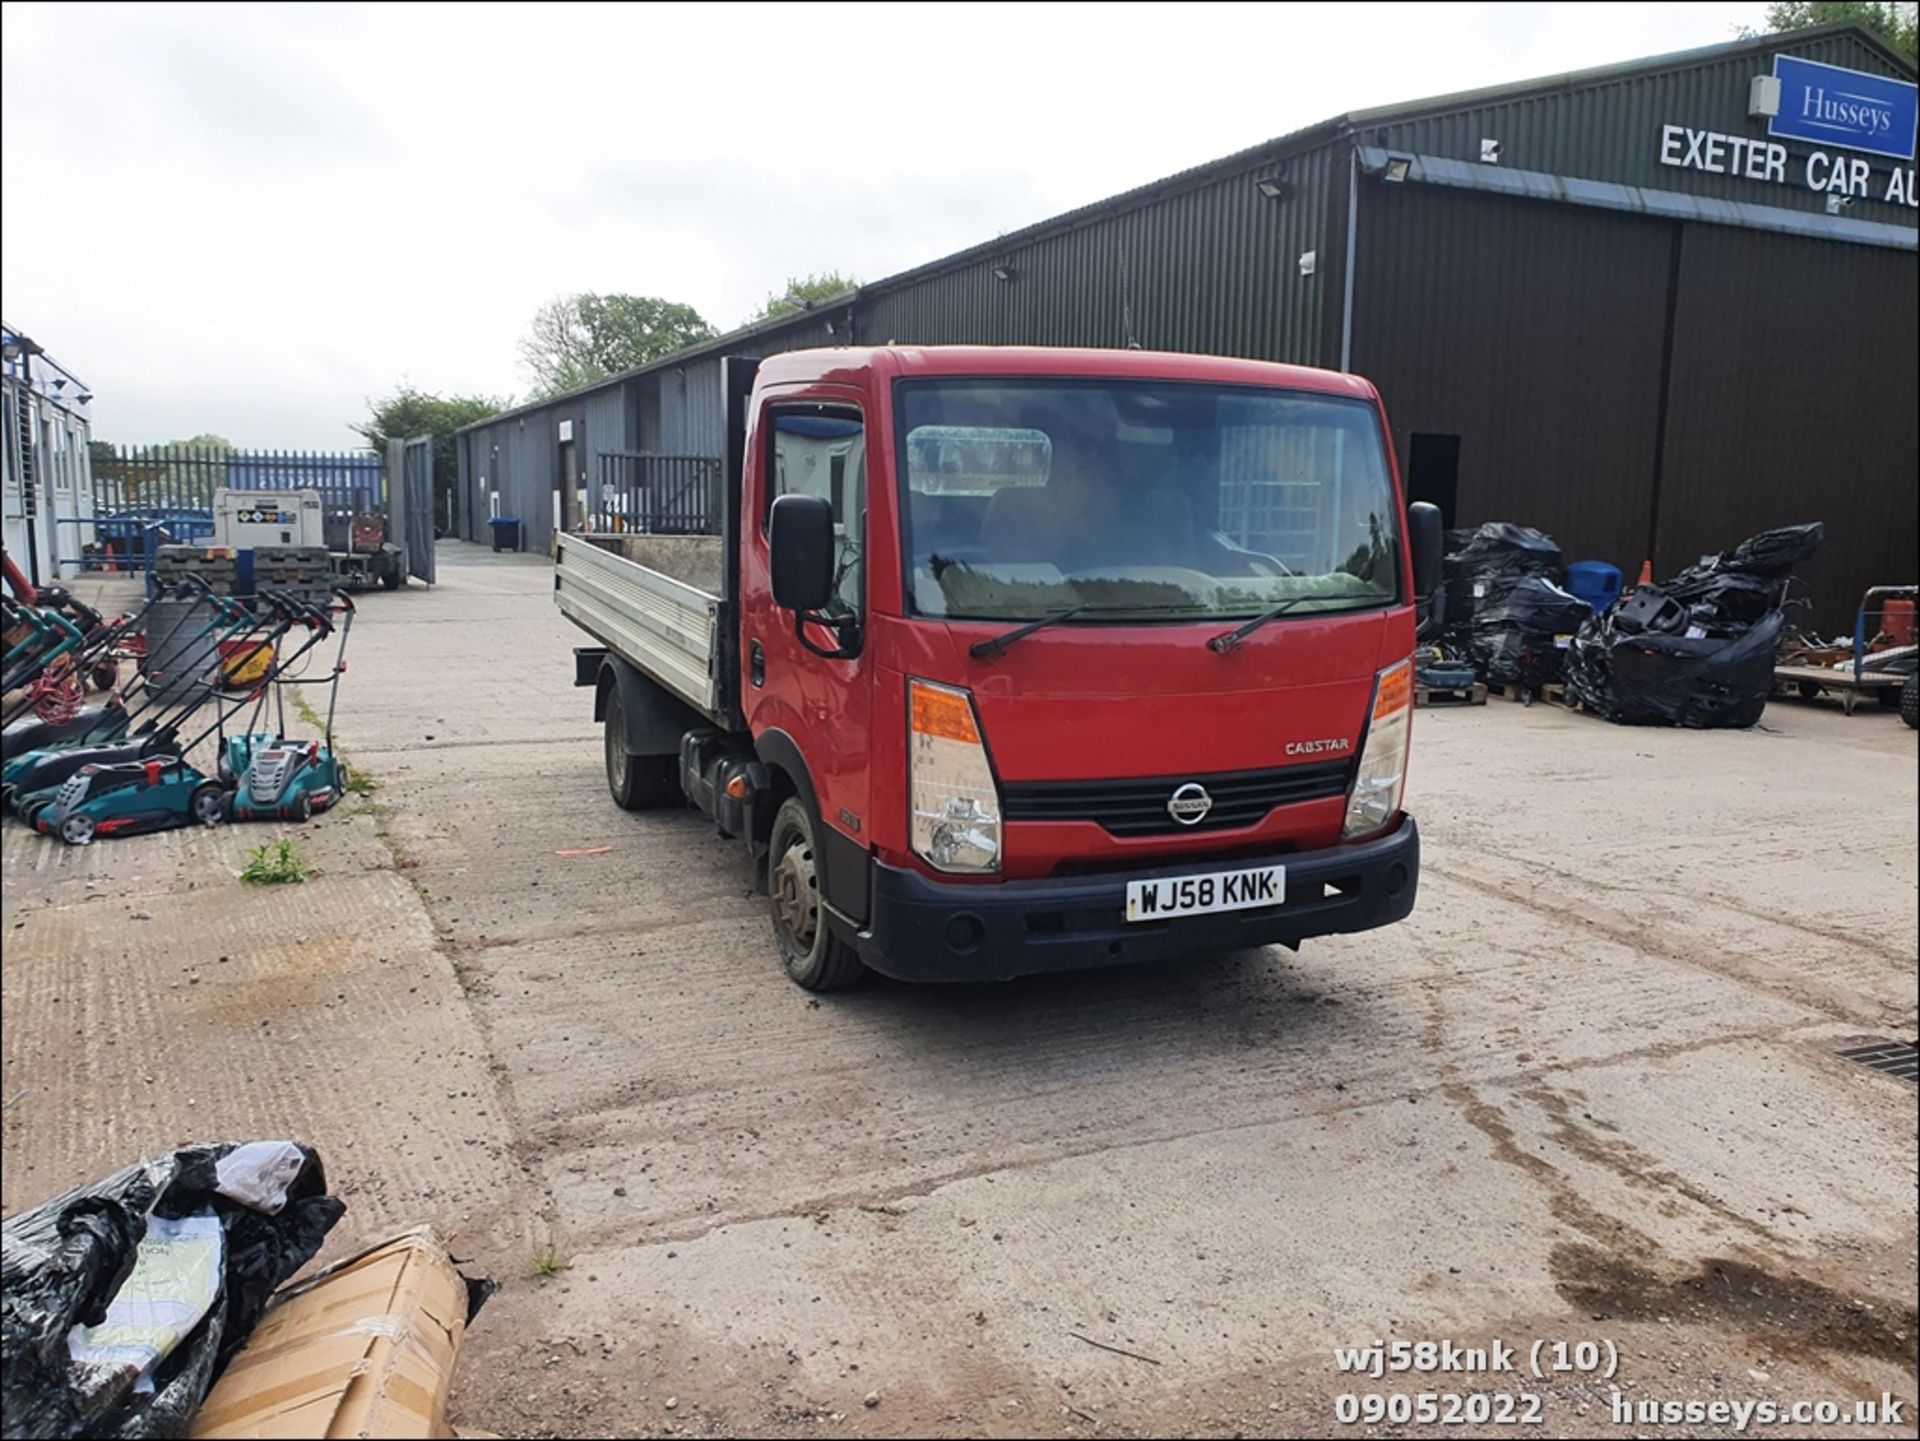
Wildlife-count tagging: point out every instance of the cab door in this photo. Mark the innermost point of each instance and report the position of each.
(813, 441)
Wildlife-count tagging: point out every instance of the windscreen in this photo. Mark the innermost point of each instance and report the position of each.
(1129, 500)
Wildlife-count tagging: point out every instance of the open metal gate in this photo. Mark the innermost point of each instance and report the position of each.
(410, 503)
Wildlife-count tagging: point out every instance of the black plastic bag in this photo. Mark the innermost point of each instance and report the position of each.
(1728, 592)
(1775, 552)
(168, 1266)
(1482, 566)
(1654, 678)
(1518, 641)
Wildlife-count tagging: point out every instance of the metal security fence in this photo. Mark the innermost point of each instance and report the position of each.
(657, 494)
(153, 495)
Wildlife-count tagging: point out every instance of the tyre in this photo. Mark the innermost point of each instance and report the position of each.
(1910, 701)
(105, 674)
(636, 783)
(77, 829)
(814, 957)
(1809, 690)
(209, 803)
(390, 578)
(302, 808)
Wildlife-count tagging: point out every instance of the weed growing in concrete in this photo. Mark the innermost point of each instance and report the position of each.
(547, 1260)
(276, 865)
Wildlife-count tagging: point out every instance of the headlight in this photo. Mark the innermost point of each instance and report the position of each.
(1382, 774)
(955, 807)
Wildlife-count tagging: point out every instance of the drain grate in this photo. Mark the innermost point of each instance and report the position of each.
(1898, 1059)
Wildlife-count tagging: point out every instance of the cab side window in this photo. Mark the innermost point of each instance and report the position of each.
(822, 450)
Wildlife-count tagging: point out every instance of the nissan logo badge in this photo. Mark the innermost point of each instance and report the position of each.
(1189, 805)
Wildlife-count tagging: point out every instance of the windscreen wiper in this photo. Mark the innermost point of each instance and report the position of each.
(988, 649)
(1227, 642)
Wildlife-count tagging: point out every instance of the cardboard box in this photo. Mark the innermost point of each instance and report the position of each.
(364, 1348)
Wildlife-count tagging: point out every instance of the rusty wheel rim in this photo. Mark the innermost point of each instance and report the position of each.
(796, 903)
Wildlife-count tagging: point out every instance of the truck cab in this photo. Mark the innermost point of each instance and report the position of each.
(1025, 660)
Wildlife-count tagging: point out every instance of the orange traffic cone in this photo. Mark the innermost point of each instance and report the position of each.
(1646, 573)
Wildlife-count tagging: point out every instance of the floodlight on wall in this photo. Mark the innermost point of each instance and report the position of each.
(59, 382)
(1397, 169)
(1003, 273)
(796, 302)
(85, 398)
(1839, 204)
(1309, 262)
(1489, 151)
(1273, 188)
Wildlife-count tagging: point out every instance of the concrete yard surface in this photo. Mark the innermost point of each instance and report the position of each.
(1590, 1092)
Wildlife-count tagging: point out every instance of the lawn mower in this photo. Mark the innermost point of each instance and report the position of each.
(277, 777)
(169, 698)
(32, 779)
(37, 636)
(159, 788)
(57, 698)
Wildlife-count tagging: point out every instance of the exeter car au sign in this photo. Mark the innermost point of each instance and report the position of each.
(1827, 106)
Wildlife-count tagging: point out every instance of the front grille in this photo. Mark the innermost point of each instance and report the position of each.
(1139, 807)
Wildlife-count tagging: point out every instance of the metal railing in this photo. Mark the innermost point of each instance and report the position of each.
(656, 495)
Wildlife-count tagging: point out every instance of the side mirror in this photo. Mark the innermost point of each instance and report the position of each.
(1428, 539)
(801, 535)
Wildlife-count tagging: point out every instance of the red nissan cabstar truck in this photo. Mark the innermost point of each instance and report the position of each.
(1019, 660)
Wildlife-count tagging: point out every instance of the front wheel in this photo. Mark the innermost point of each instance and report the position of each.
(637, 783)
(814, 957)
(77, 829)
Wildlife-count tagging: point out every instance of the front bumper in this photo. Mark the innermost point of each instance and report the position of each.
(922, 930)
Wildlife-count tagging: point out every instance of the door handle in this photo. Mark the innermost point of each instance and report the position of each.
(756, 664)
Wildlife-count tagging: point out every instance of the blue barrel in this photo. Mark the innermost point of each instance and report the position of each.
(1595, 582)
(506, 532)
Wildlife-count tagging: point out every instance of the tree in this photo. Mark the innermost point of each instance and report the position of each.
(576, 340)
(811, 289)
(408, 413)
(1891, 20)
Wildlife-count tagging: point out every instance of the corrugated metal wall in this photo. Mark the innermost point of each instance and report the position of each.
(1611, 131)
(515, 457)
(1534, 333)
(691, 422)
(1215, 269)
(1793, 399)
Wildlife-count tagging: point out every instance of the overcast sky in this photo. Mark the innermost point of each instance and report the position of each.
(249, 219)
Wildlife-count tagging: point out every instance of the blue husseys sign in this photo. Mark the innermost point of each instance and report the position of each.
(1826, 105)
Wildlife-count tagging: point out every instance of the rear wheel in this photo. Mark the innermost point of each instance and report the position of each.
(814, 957)
(637, 783)
(1809, 690)
(209, 804)
(1910, 701)
(77, 829)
